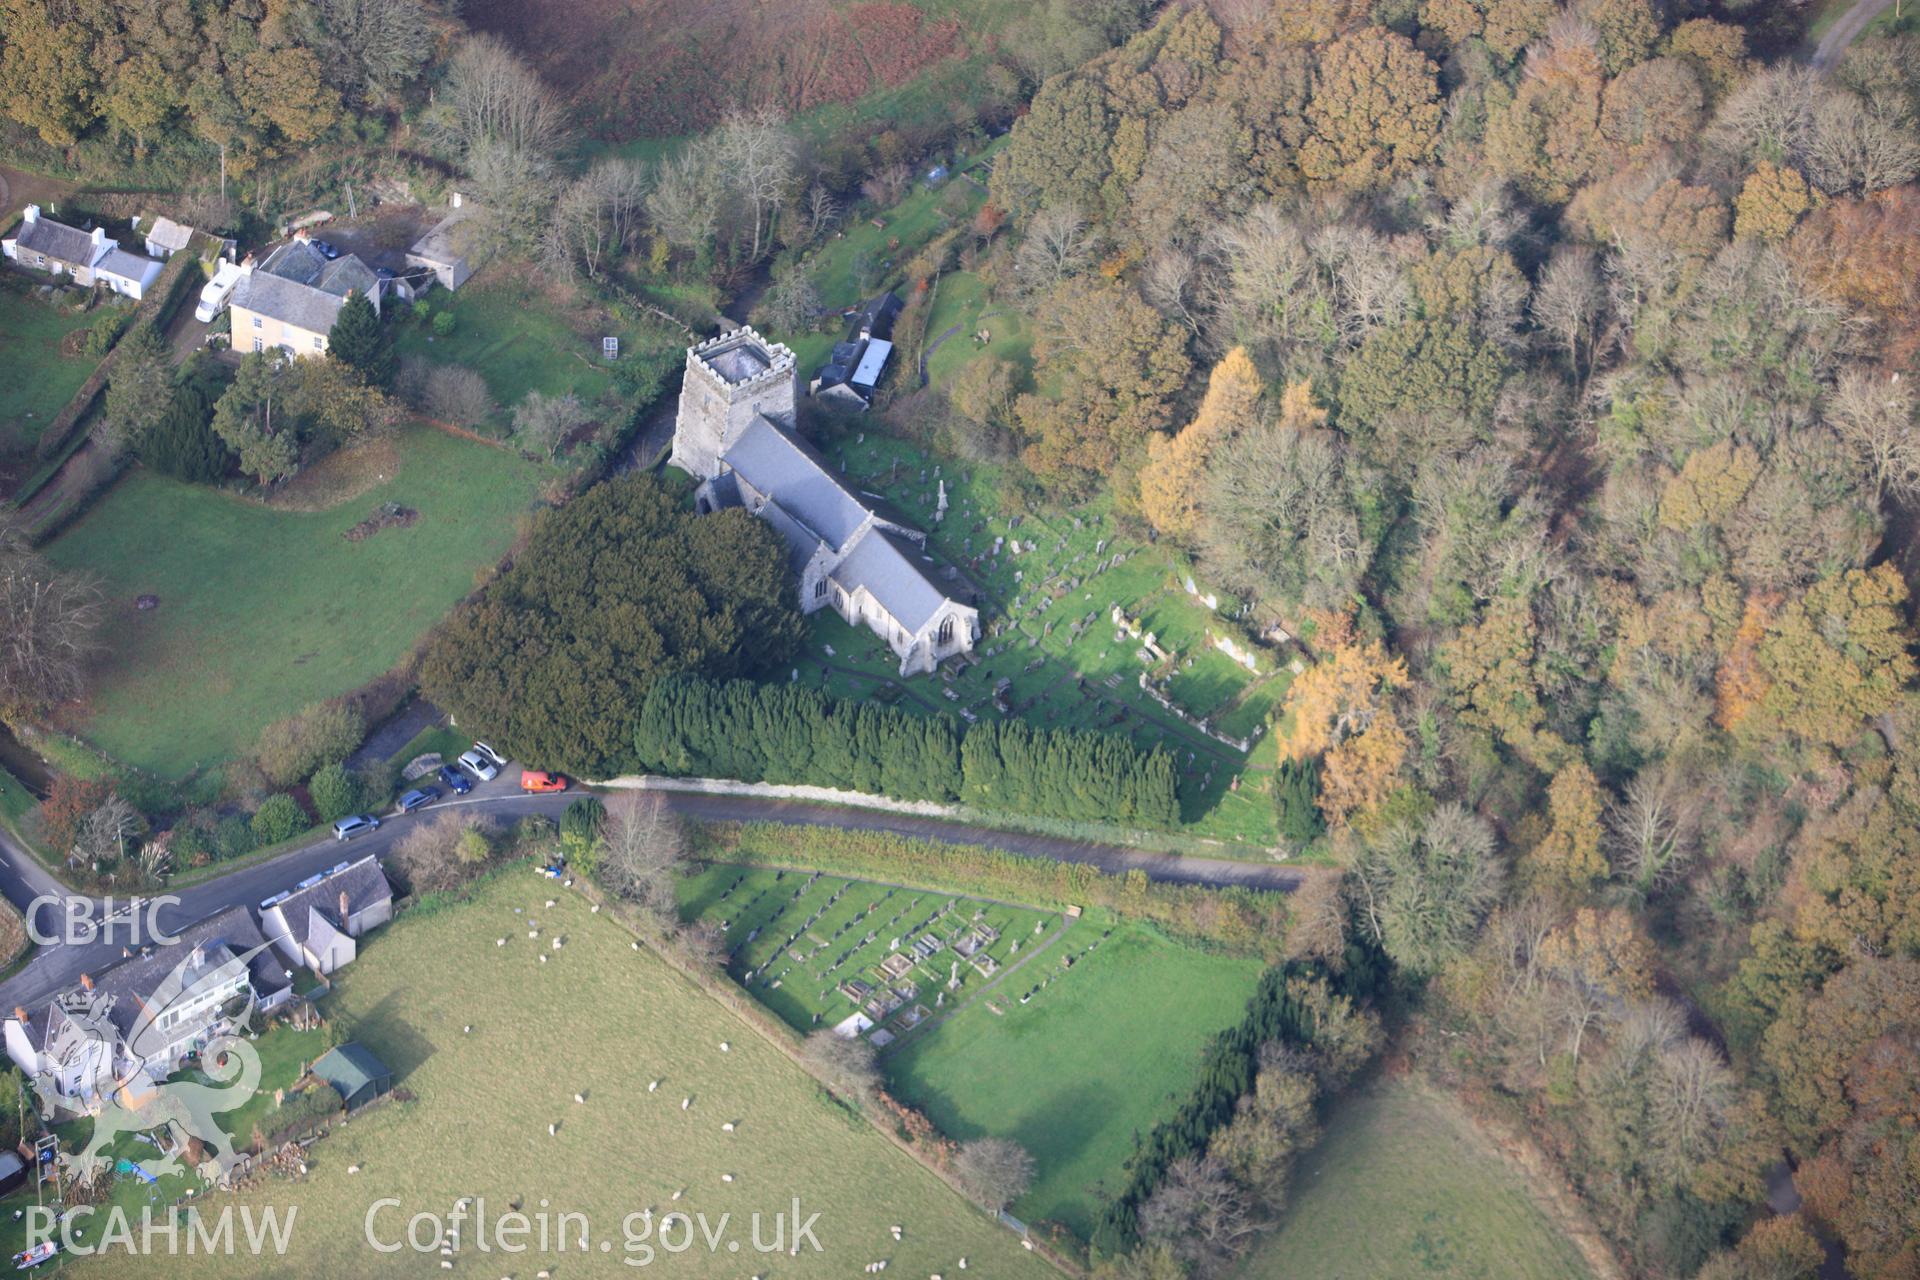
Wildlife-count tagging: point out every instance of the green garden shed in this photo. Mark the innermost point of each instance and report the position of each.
(355, 1074)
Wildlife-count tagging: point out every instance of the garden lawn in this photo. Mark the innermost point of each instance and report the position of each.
(1104, 1051)
(520, 340)
(1404, 1184)
(264, 611)
(36, 381)
(602, 1020)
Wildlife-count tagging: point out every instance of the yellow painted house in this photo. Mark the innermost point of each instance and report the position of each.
(291, 300)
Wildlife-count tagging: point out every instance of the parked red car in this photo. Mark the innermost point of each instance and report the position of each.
(538, 782)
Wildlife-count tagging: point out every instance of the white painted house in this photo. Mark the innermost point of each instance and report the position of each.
(136, 1021)
(316, 924)
(90, 257)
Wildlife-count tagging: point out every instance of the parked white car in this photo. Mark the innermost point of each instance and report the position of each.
(479, 766)
(499, 761)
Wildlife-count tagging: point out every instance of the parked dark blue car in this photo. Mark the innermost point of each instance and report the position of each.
(418, 798)
(457, 782)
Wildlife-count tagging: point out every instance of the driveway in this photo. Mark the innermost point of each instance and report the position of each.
(1846, 28)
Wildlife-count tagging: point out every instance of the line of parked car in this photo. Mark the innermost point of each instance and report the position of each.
(482, 761)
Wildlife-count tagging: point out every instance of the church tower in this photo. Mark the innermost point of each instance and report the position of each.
(730, 380)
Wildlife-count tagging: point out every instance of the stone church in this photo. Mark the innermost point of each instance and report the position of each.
(736, 435)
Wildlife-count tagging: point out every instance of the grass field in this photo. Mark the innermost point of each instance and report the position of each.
(1102, 1051)
(263, 611)
(37, 380)
(798, 942)
(602, 1020)
(1405, 1186)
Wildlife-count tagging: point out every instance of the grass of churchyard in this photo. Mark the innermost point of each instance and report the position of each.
(264, 610)
(1404, 1184)
(797, 940)
(1094, 1042)
(1048, 630)
(36, 380)
(599, 1019)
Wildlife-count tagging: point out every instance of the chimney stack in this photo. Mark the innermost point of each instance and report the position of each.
(86, 982)
(343, 909)
(33, 213)
(20, 1013)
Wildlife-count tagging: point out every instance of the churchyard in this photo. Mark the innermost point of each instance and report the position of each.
(819, 949)
(1053, 649)
(491, 1045)
(1066, 1034)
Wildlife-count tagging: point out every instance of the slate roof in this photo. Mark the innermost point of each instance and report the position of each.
(363, 882)
(169, 234)
(875, 317)
(779, 464)
(128, 266)
(437, 245)
(801, 541)
(164, 974)
(888, 566)
(298, 286)
(56, 240)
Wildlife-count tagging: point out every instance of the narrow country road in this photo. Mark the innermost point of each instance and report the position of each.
(56, 967)
(1845, 29)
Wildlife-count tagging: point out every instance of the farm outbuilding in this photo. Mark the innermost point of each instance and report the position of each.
(355, 1074)
(446, 249)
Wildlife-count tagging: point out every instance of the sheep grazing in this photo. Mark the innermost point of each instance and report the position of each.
(353, 1168)
(727, 1127)
(654, 1087)
(556, 944)
(685, 1103)
(636, 944)
(467, 1030)
(499, 942)
(963, 1264)
(579, 1097)
(726, 1177)
(533, 933)
(725, 1047)
(568, 882)
(596, 909)
(543, 959)
(676, 1195)
(553, 1131)
(552, 903)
